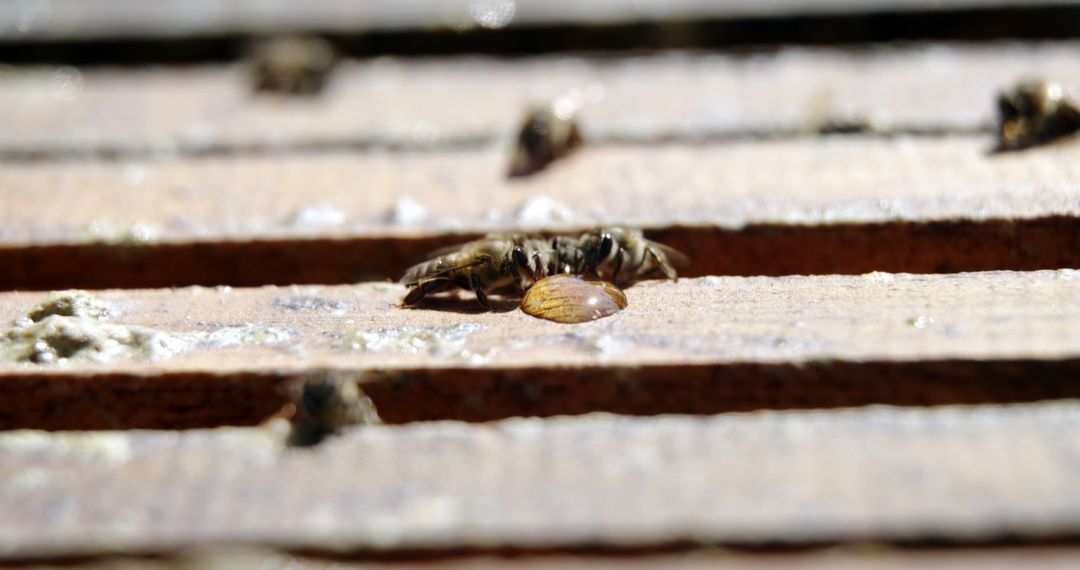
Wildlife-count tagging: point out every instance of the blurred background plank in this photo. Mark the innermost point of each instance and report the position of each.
(76, 19)
(958, 476)
(395, 103)
(198, 357)
(854, 557)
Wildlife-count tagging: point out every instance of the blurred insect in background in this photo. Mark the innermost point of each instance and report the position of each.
(547, 135)
(292, 65)
(1034, 113)
(325, 403)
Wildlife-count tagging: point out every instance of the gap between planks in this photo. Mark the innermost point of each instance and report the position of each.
(698, 346)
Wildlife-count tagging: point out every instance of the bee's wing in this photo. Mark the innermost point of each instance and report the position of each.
(673, 255)
(444, 251)
(450, 249)
(440, 266)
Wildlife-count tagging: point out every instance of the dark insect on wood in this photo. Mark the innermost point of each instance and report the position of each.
(497, 264)
(1034, 113)
(292, 65)
(325, 403)
(545, 137)
(509, 264)
(624, 256)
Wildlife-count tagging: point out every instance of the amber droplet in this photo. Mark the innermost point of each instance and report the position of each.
(569, 299)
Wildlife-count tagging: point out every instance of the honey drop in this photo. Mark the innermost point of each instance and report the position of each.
(569, 299)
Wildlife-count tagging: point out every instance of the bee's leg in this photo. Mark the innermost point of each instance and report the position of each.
(558, 264)
(606, 243)
(618, 265)
(520, 261)
(478, 288)
(516, 274)
(417, 293)
(461, 282)
(663, 264)
(541, 269)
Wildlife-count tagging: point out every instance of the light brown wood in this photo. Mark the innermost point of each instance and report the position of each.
(957, 475)
(834, 205)
(202, 357)
(790, 182)
(799, 181)
(420, 103)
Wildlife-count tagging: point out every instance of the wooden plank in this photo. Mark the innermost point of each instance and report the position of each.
(833, 205)
(806, 478)
(799, 181)
(200, 357)
(387, 102)
(66, 19)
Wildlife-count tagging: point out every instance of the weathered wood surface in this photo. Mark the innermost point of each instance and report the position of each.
(800, 181)
(957, 475)
(803, 206)
(216, 357)
(68, 19)
(468, 101)
(364, 181)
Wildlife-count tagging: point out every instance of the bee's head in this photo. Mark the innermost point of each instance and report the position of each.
(518, 264)
(599, 248)
(1029, 100)
(318, 396)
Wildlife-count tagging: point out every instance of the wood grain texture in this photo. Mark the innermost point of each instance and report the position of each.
(955, 475)
(389, 102)
(697, 346)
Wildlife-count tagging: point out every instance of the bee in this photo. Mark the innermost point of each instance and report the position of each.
(1034, 113)
(511, 263)
(545, 136)
(623, 256)
(324, 404)
(496, 264)
(293, 65)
